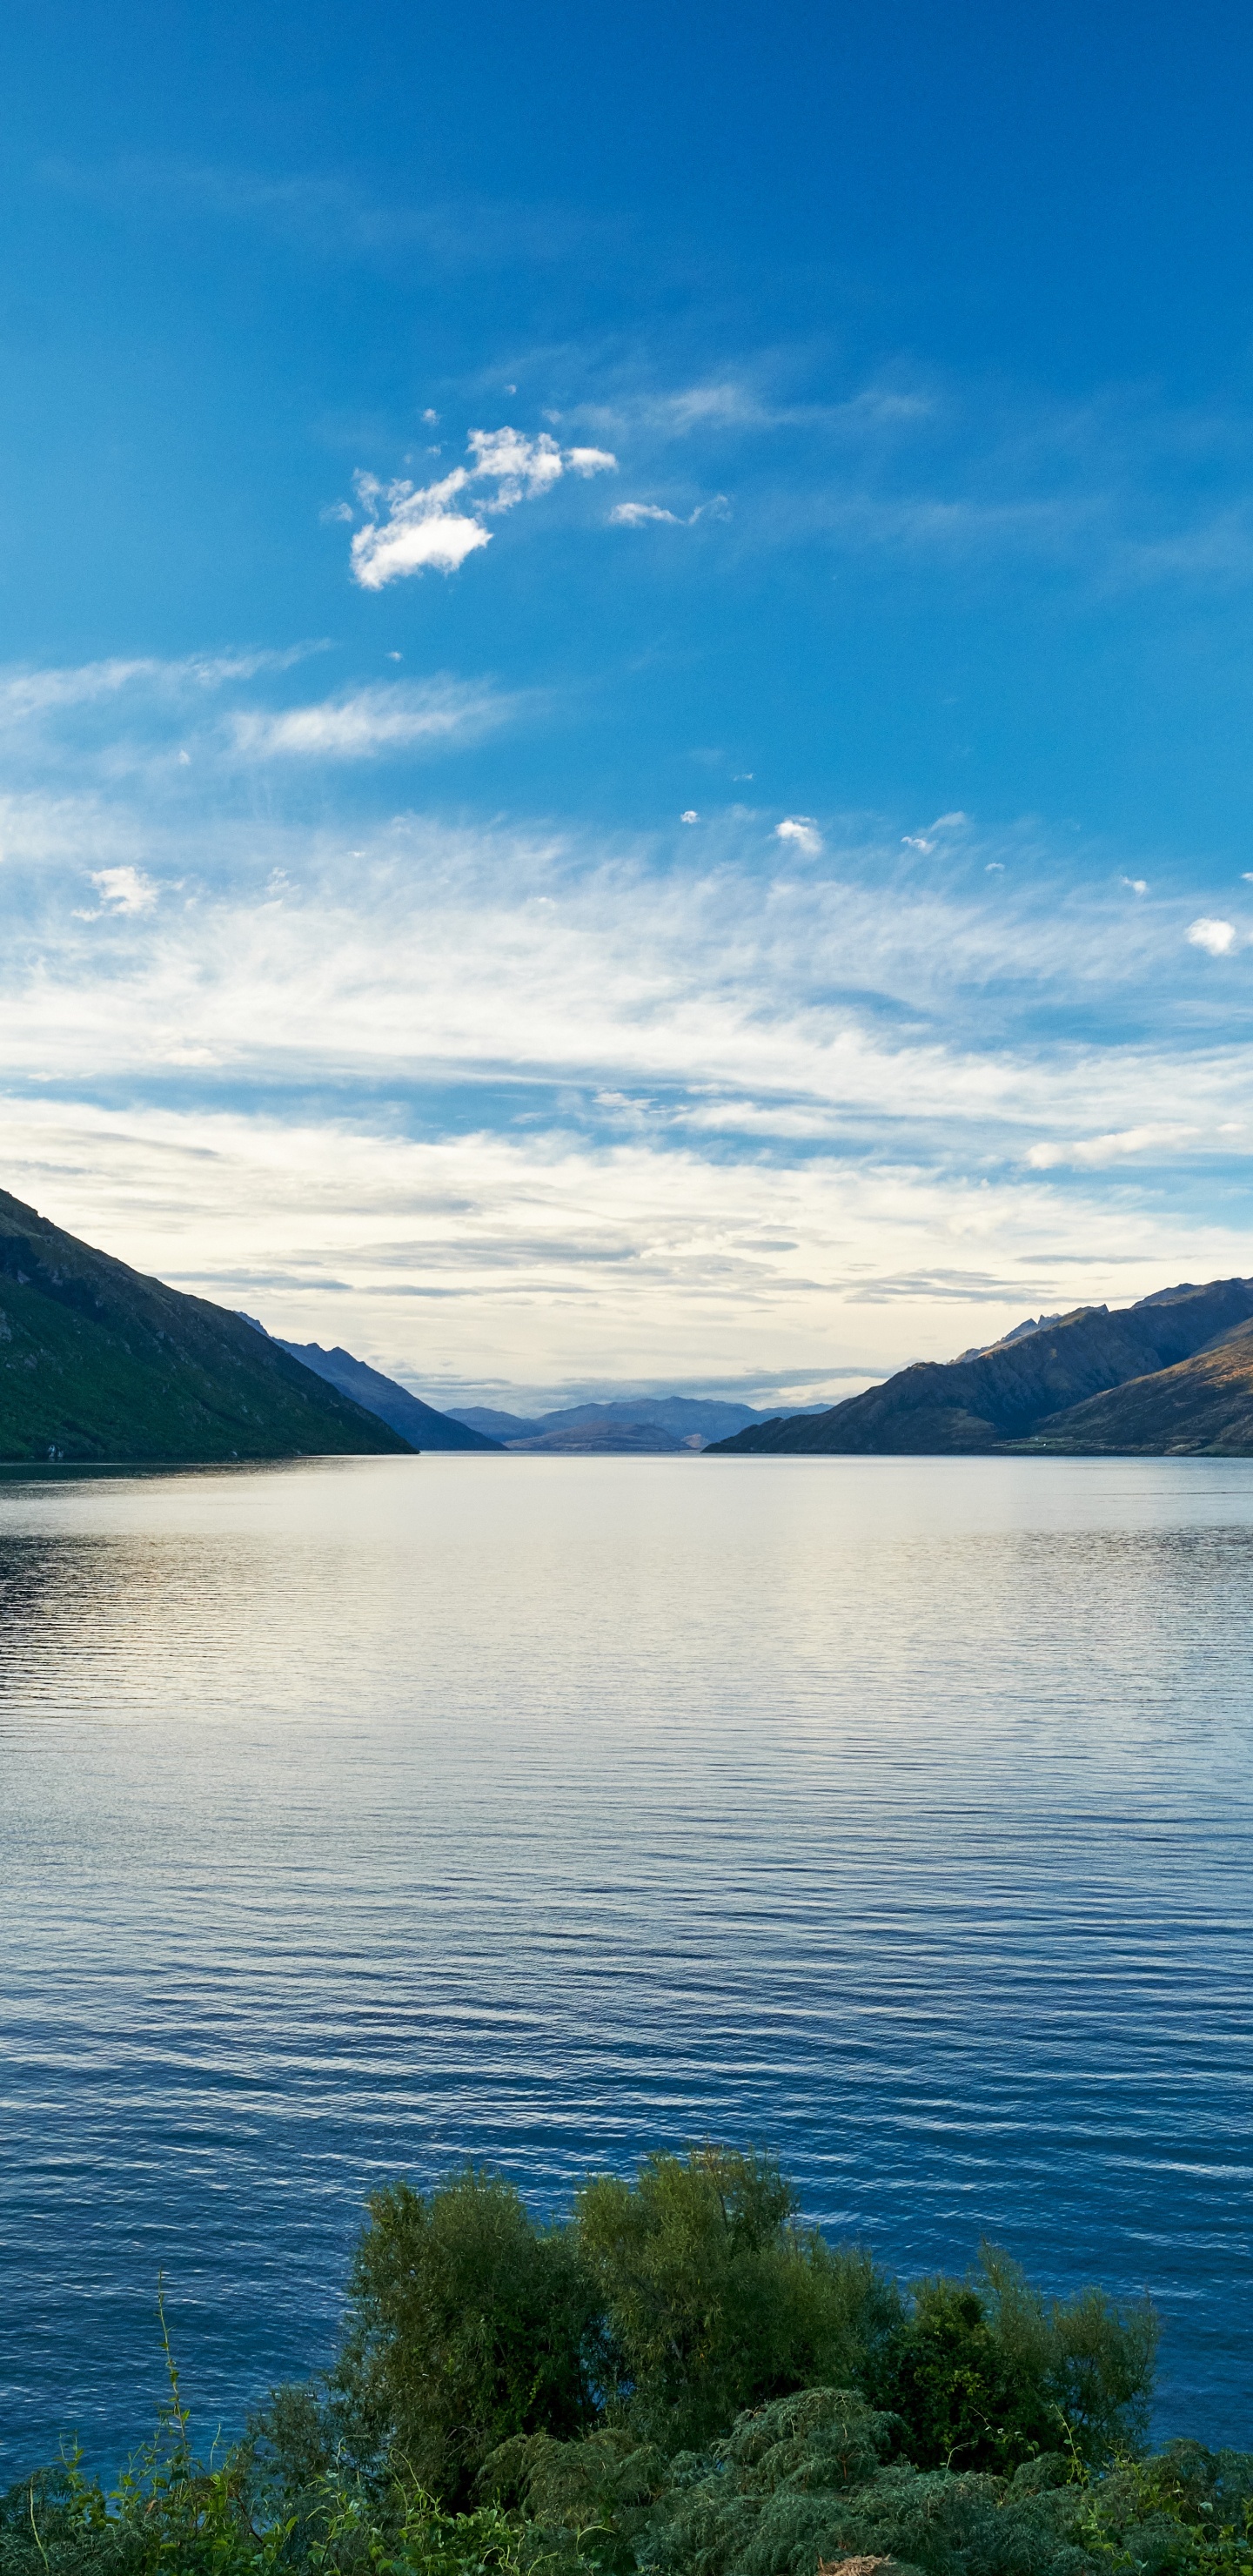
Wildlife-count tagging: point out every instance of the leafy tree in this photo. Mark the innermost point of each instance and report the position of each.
(986, 2374)
(467, 2324)
(714, 2298)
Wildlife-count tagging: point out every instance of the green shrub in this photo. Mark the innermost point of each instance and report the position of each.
(715, 2298)
(985, 2373)
(467, 2324)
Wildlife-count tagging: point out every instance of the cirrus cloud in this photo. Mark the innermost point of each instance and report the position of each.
(362, 722)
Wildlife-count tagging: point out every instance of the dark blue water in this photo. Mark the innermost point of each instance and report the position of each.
(361, 1815)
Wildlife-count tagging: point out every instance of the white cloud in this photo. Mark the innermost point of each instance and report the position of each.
(1092, 1152)
(414, 540)
(637, 514)
(26, 693)
(423, 532)
(802, 832)
(1217, 938)
(691, 816)
(640, 514)
(125, 889)
(365, 721)
(1134, 885)
(520, 467)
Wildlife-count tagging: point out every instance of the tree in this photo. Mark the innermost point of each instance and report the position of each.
(468, 2323)
(714, 2297)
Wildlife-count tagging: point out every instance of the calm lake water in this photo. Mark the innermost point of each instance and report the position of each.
(361, 1815)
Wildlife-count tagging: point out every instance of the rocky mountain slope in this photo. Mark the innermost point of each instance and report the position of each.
(1203, 1406)
(97, 1362)
(1009, 1393)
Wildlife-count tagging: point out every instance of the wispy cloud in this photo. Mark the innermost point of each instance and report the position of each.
(27, 691)
(334, 217)
(363, 722)
(638, 514)
(1093, 1153)
(411, 528)
(592, 1099)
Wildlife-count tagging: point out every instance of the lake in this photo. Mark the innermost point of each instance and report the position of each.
(360, 1815)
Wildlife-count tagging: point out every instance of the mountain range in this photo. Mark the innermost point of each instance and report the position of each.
(99, 1362)
(1169, 1376)
(629, 1425)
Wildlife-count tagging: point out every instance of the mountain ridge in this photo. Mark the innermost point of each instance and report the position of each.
(1024, 1387)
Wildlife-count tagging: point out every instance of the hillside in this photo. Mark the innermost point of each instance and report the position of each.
(418, 1423)
(1007, 1393)
(1202, 1406)
(98, 1362)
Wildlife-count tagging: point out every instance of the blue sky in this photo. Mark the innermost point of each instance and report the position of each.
(626, 672)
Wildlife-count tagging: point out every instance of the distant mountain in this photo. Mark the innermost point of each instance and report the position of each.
(604, 1440)
(495, 1425)
(417, 1423)
(1029, 1386)
(97, 1361)
(678, 1421)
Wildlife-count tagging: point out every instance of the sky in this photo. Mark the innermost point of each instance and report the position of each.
(626, 659)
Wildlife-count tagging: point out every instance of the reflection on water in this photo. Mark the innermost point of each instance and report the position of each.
(359, 1815)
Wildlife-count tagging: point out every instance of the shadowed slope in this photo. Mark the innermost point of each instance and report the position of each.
(1201, 1407)
(97, 1361)
(419, 1423)
(1008, 1391)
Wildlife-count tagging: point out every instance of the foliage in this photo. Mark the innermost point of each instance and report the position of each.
(594, 2499)
(679, 2380)
(1187, 2509)
(715, 2298)
(985, 2372)
(468, 2324)
(667, 2305)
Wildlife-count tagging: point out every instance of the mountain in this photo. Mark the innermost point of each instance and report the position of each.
(1033, 1324)
(418, 1423)
(1011, 1391)
(604, 1440)
(97, 1361)
(679, 1422)
(1203, 1406)
(496, 1425)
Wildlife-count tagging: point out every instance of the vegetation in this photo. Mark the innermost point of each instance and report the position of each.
(678, 2380)
(97, 1362)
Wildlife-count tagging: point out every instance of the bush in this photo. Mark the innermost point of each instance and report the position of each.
(467, 2324)
(714, 2298)
(985, 2373)
(680, 2380)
